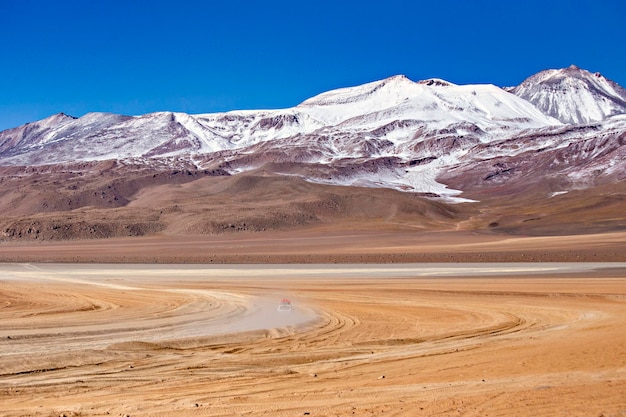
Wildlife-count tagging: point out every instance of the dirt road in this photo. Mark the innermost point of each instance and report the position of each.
(403, 340)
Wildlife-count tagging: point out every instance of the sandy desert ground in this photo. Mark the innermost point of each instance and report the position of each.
(326, 245)
(365, 340)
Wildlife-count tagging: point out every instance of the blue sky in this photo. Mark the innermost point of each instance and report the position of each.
(134, 57)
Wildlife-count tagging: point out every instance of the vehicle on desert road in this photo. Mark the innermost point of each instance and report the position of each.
(285, 305)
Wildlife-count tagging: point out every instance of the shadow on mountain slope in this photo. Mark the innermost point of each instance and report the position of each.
(104, 200)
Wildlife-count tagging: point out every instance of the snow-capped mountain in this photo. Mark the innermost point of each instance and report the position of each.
(431, 104)
(573, 95)
(390, 133)
(436, 102)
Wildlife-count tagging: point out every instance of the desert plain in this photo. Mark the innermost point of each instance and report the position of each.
(364, 339)
(161, 300)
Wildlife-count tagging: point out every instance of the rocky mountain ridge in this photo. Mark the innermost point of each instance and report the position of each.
(573, 95)
(566, 127)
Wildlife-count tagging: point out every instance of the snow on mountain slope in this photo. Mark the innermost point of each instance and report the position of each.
(573, 95)
(390, 133)
(430, 105)
(32, 134)
(95, 136)
(557, 160)
(435, 101)
(238, 129)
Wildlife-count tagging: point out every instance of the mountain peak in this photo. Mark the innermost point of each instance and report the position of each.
(435, 82)
(60, 117)
(389, 86)
(399, 77)
(573, 95)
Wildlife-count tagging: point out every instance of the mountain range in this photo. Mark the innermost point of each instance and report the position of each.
(559, 131)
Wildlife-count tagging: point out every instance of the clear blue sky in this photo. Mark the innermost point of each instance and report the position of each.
(133, 57)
